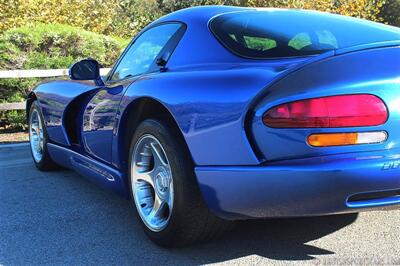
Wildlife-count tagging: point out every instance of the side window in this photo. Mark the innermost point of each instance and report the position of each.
(142, 53)
(259, 43)
(326, 38)
(300, 41)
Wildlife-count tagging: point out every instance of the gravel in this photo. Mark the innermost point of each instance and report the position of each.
(60, 218)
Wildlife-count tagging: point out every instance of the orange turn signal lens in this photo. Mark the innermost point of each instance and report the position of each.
(342, 139)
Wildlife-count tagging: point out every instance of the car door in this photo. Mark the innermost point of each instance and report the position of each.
(99, 116)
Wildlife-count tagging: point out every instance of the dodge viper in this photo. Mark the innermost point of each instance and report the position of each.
(216, 114)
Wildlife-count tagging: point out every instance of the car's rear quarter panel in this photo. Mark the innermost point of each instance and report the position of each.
(372, 71)
(209, 104)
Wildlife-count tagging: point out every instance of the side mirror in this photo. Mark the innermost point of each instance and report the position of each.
(86, 69)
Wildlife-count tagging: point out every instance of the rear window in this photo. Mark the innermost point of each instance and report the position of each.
(289, 33)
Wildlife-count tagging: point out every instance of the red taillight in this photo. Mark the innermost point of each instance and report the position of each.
(356, 110)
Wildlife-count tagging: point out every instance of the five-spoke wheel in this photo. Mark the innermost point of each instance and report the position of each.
(164, 188)
(36, 135)
(38, 139)
(152, 182)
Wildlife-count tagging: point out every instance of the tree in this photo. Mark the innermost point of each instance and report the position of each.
(391, 12)
(125, 18)
(87, 14)
(367, 9)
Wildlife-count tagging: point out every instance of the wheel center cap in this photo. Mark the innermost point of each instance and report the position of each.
(162, 182)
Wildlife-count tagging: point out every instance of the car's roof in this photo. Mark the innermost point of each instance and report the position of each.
(200, 13)
(205, 13)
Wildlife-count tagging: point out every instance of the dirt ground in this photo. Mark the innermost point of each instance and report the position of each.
(13, 137)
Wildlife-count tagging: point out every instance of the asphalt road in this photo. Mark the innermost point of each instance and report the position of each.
(61, 218)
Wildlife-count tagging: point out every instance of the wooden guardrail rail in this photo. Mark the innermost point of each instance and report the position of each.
(36, 73)
(12, 106)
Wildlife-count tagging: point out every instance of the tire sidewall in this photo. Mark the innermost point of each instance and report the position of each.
(45, 162)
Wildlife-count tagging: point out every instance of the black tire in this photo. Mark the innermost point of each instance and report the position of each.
(190, 221)
(45, 163)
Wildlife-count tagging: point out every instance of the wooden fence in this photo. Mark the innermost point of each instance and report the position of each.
(40, 73)
(12, 106)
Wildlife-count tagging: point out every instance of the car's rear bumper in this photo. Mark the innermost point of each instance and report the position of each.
(303, 187)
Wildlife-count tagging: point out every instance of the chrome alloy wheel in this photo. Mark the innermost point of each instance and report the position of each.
(36, 135)
(152, 183)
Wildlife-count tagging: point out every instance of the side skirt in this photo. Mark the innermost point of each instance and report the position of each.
(95, 171)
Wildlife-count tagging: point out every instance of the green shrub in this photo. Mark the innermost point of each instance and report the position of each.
(53, 46)
(16, 119)
(44, 46)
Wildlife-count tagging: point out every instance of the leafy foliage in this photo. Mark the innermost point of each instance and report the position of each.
(134, 15)
(44, 46)
(50, 47)
(125, 18)
(88, 14)
(16, 119)
(391, 12)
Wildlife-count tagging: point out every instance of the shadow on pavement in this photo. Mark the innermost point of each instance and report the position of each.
(277, 239)
(60, 218)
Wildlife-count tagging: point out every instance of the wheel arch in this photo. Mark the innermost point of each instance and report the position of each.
(137, 111)
(29, 101)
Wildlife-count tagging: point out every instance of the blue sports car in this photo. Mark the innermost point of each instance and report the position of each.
(215, 114)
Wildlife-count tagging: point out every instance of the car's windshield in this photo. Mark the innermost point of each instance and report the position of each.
(288, 33)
